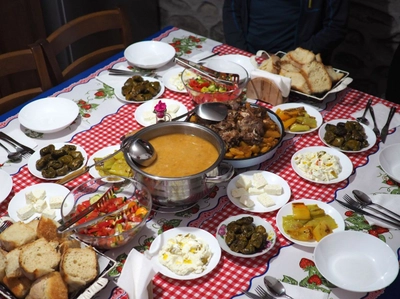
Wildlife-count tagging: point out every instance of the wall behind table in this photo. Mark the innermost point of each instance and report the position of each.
(374, 33)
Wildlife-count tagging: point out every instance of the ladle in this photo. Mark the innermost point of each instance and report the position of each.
(214, 111)
(365, 200)
(275, 286)
(12, 156)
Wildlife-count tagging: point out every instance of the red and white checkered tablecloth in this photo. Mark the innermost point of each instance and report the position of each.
(233, 274)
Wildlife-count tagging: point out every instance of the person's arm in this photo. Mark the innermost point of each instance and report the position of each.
(235, 22)
(334, 24)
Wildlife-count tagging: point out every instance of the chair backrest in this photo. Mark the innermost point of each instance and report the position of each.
(78, 29)
(19, 62)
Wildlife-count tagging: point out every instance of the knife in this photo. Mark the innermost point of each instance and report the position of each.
(385, 129)
(83, 170)
(251, 295)
(362, 212)
(7, 138)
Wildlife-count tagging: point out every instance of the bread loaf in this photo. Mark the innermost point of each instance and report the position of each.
(49, 286)
(78, 267)
(16, 235)
(38, 258)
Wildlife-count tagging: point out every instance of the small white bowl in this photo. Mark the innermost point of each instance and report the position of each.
(390, 162)
(356, 261)
(149, 54)
(48, 115)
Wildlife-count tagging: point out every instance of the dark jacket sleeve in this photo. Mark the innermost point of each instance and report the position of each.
(325, 24)
(235, 18)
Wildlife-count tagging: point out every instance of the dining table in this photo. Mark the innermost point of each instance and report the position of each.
(103, 119)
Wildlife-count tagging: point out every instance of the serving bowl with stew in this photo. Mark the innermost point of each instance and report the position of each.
(203, 89)
(188, 165)
(118, 220)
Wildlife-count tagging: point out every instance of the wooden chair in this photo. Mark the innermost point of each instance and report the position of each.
(20, 62)
(82, 27)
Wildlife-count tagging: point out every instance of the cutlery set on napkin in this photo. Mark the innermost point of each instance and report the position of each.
(19, 141)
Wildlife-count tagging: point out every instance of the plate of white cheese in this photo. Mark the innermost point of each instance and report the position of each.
(173, 81)
(258, 191)
(44, 199)
(176, 245)
(145, 116)
(321, 164)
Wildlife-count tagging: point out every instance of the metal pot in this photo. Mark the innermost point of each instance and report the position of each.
(182, 191)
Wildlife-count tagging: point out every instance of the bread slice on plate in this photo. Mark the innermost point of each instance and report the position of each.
(78, 267)
(16, 235)
(49, 286)
(39, 258)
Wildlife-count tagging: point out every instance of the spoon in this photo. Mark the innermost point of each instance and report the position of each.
(364, 199)
(363, 119)
(140, 151)
(213, 111)
(12, 156)
(275, 286)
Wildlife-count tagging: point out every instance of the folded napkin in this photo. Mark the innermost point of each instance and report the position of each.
(136, 276)
(304, 293)
(390, 202)
(19, 136)
(381, 114)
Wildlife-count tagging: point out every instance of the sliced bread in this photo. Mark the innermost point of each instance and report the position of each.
(70, 243)
(16, 235)
(301, 56)
(272, 64)
(335, 76)
(13, 268)
(19, 286)
(78, 267)
(3, 264)
(317, 77)
(47, 228)
(298, 83)
(49, 286)
(38, 258)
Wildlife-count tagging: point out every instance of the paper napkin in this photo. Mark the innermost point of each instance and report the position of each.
(304, 293)
(112, 80)
(389, 201)
(283, 83)
(381, 114)
(136, 276)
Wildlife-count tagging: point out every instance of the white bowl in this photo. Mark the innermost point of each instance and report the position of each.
(356, 261)
(48, 115)
(149, 54)
(389, 161)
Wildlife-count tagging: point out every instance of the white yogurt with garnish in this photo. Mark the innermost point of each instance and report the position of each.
(185, 254)
(319, 166)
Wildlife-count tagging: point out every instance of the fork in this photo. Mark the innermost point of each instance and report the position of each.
(4, 225)
(19, 149)
(263, 293)
(356, 204)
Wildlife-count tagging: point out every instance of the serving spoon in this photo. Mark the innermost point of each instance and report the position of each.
(213, 111)
(365, 200)
(14, 157)
(275, 287)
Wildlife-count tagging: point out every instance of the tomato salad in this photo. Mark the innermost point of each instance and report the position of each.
(110, 225)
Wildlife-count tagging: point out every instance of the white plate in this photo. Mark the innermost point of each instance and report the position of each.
(271, 178)
(19, 201)
(371, 137)
(162, 239)
(221, 232)
(149, 54)
(48, 115)
(172, 78)
(121, 97)
(6, 185)
(356, 261)
(100, 154)
(36, 156)
(345, 162)
(244, 61)
(329, 210)
(148, 107)
(309, 109)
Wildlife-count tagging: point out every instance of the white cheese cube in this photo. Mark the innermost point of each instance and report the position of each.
(238, 192)
(55, 202)
(243, 182)
(246, 201)
(35, 195)
(40, 205)
(172, 108)
(258, 180)
(256, 191)
(25, 212)
(49, 213)
(266, 200)
(149, 116)
(273, 189)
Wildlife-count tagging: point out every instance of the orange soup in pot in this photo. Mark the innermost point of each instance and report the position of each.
(180, 155)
